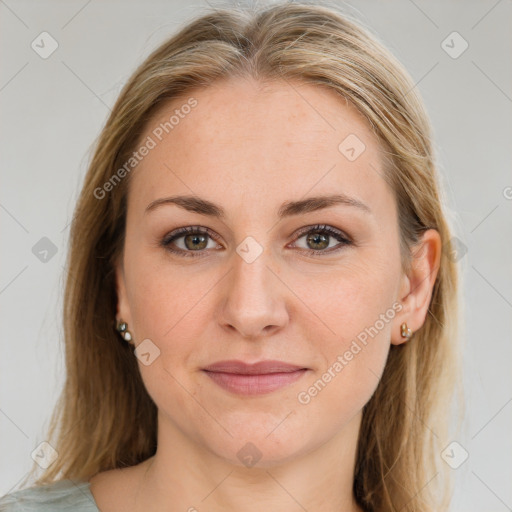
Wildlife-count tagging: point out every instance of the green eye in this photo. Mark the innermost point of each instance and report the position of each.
(195, 240)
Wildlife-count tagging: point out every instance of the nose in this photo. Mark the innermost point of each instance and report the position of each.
(254, 302)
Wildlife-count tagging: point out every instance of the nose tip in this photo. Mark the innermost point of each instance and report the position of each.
(256, 331)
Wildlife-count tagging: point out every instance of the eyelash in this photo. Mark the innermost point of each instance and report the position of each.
(199, 230)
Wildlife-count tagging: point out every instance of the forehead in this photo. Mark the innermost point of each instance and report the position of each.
(270, 142)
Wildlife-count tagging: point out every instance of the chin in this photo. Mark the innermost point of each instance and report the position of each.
(263, 444)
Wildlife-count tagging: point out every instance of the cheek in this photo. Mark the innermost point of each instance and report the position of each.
(352, 360)
(348, 300)
(356, 310)
(162, 296)
(172, 308)
(167, 308)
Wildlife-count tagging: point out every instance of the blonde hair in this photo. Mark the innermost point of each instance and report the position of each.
(104, 418)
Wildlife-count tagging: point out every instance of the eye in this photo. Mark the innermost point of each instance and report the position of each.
(318, 238)
(195, 239)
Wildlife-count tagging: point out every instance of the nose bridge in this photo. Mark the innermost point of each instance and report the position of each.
(253, 302)
(250, 272)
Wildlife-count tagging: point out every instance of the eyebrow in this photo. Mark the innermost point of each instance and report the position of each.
(287, 209)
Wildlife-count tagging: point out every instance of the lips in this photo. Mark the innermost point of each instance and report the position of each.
(259, 368)
(253, 379)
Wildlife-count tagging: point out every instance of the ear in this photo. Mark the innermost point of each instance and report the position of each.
(416, 288)
(123, 308)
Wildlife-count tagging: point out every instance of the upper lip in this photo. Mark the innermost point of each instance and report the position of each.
(259, 368)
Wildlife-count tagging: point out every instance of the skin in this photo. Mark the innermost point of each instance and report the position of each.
(274, 143)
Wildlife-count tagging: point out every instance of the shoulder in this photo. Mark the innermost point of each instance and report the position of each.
(55, 497)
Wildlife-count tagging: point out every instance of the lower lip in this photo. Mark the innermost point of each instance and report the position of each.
(254, 384)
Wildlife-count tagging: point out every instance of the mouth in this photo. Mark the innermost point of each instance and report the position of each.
(253, 379)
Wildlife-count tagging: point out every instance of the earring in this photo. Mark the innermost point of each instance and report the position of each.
(405, 331)
(122, 328)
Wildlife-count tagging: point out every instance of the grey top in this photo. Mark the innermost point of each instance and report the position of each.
(55, 497)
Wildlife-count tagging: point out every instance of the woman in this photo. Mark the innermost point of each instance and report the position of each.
(259, 313)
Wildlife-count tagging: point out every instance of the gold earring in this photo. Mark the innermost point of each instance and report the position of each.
(405, 331)
(122, 328)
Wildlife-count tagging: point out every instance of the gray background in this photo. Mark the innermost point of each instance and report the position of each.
(53, 109)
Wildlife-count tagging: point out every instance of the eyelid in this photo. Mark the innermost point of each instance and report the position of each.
(177, 233)
(323, 227)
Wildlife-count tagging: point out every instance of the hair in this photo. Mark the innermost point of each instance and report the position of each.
(104, 417)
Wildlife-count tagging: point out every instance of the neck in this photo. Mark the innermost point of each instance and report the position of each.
(189, 476)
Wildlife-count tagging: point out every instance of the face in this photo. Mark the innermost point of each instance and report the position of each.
(314, 285)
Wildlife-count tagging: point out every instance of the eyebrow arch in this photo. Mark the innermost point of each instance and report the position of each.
(287, 209)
